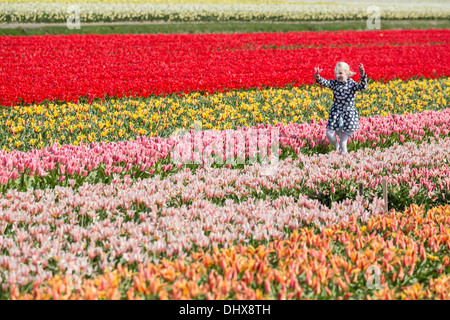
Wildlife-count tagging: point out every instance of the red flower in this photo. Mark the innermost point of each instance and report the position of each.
(66, 68)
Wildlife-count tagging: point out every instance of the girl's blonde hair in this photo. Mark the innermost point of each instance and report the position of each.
(345, 67)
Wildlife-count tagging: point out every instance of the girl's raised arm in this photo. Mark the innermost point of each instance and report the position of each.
(320, 80)
(363, 85)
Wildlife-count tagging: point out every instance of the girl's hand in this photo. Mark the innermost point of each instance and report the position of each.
(361, 69)
(316, 75)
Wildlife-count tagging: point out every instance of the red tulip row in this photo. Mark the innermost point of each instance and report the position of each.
(35, 69)
(214, 42)
(321, 39)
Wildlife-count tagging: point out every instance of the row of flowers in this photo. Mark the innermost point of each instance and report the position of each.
(96, 162)
(97, 226)
(237, 11)
(83, 233)
(408, 252)
(261, 40)
(68, 68)
(37, 126)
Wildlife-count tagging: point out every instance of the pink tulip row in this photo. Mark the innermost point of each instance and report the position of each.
(375, 129)
(233, 146)
(228, 145)
(143, 153)
(116, 157)
(413, 166)
(422, 167)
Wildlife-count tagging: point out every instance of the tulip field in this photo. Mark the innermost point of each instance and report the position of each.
(197, 167)
(21, 11)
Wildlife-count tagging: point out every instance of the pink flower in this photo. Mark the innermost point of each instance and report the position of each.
(3, 180)
(13, 175)
(70, 169)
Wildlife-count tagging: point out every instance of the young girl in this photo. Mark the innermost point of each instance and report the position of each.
(343, 118)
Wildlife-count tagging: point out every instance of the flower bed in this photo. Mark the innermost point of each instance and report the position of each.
(39, 68)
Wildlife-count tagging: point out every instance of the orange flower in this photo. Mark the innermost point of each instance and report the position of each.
(401, 274)
(414, 292)
(267, 286)
(341, 284)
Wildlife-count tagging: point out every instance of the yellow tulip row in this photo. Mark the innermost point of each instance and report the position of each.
(37, 126)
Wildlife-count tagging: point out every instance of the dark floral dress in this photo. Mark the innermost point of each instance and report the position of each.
(343, 114)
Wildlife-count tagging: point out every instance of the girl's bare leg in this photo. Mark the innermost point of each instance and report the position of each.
(343, 137)
(331, 136)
